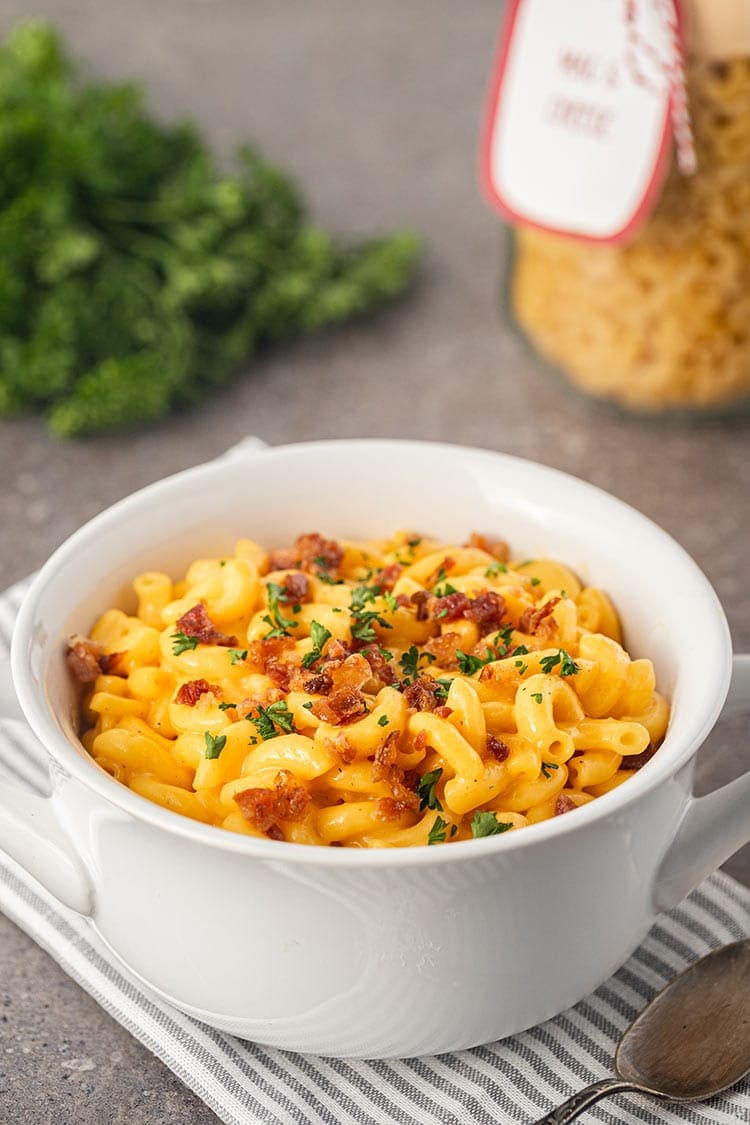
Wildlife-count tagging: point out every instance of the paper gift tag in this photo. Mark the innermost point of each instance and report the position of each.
(579, 125)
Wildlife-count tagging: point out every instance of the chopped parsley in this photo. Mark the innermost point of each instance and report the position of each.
(391, 602)
(537, 696)
(280, 625)
(409, 663)
(468, 664)
(494, 569)
(183, 642)
(318, 635)
(237, 654)
(568, 666)
(522, 668)
(412, 543)
(426, 790)
(323, 572)
(547, 766)
(454, 830)
(437, 832)
(443, 687)
(226, 706)
(505, 636)
(535, 581)
(308, 705)
(271, 721)
(383, 721)
(365, 619)
(214, 745)
(487, 824)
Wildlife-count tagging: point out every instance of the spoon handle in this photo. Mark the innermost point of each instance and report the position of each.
(570, 1109)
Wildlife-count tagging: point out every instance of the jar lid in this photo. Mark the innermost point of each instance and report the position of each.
(718, 29)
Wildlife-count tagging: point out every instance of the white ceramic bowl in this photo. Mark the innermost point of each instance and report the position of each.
(394, 952)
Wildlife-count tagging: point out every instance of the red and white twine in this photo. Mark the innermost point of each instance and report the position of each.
(672, 70)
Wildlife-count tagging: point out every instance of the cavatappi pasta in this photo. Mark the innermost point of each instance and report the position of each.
(378, 694)
(664, 320)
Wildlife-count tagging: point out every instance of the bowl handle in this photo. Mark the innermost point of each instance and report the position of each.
(713, 827)
(30, 832)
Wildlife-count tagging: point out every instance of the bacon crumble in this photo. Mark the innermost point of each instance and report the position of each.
(564, 804)
(265, 808)
(497, 749)
(312, 553)
(191, 691)
(498, 548)
(196, 623)
(531, 619)
(87, 659)
(422, 694)
(487, 611)
(296, 588)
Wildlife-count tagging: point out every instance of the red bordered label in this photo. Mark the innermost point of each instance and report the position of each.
(582, 107)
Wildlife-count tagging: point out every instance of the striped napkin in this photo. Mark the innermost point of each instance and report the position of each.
(515, 1080)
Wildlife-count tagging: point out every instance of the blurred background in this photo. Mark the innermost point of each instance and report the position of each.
(375, 111)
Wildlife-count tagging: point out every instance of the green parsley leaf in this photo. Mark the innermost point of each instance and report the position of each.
(279, 623)
(537, 696)
(469, 664)
(277, 715)
(520, 650)
(494, 569)
(237, 654)
(318, 635)
(505, 635)
(383, 721)
(391, 602)
(183, 642)
(226, 706)
(454, 830)
(487, 824)
(443, 592)
(568, 666)
(547, 766)
(547, 663)
(522, 668)
(214, 745)
(414, 542)
(437, 832)
(308, 705)
(409, 663)
(535, 581)
(443, 686)
(426, 790)
(364, 619)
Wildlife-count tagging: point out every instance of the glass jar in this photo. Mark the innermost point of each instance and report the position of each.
(662, 322)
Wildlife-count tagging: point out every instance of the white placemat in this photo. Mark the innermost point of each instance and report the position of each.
(515, 1080)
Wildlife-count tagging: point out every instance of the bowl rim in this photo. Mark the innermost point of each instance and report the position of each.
(84, 769)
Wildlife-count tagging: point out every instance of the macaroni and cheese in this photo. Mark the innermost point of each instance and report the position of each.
(367, 694)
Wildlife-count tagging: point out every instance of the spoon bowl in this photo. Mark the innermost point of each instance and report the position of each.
(690, 1043)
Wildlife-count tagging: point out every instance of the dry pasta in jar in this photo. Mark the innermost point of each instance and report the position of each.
(386, 693)
(663, 321)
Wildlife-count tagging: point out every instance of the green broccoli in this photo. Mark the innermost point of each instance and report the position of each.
(133, 276)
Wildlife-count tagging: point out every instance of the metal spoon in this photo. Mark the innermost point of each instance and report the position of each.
(691, 1042)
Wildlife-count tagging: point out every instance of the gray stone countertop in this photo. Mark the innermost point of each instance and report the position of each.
(375, 109)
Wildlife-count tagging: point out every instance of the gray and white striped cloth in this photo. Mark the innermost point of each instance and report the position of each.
(515, 1080)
